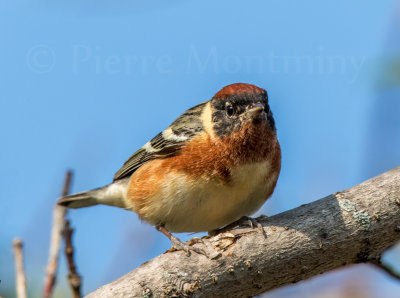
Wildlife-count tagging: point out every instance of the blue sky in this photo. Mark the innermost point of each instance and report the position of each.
(84, 84)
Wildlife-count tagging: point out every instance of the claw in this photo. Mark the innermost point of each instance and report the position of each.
(253, 223)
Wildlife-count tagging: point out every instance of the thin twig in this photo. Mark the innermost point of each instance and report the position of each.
(387, 268)
(74, 278)
(58, 227)
(19, 268)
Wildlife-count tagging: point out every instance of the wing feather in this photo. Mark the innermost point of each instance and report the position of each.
(167, 143)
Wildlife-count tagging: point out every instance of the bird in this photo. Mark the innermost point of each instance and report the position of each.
(214, 165)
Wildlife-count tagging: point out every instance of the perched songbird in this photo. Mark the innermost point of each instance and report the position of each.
(217, 162)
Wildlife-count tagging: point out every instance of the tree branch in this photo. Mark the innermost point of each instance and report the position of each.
(57, 229)
(387, 268)
(19, 268)
(74, 279)
(347, 227)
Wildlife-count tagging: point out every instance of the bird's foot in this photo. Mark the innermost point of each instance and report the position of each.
(177, 244)
(243, 221)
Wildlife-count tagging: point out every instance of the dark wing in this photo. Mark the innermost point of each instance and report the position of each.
(167, 143)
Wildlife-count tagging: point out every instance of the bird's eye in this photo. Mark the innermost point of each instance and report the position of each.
(229, 110)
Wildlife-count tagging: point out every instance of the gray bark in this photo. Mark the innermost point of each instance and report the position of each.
(347, 227)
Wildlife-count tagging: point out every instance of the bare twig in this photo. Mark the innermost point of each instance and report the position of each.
(387, 268)
(74, 279)
(347, 227)
(58, 226)
(19, 268)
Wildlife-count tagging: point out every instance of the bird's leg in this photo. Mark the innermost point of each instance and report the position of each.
(244, 220)
(178, 244)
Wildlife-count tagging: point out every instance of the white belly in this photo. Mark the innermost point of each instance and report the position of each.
(204, 205)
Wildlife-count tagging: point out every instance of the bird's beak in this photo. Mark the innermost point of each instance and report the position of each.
(254, 113)
(255, 110)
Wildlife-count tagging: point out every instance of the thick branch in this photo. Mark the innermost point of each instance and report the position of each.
(352, 226)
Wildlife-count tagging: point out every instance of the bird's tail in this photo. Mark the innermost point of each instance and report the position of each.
(79, 200)
(113, 194)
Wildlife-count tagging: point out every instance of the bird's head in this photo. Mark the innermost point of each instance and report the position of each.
(237, 105)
